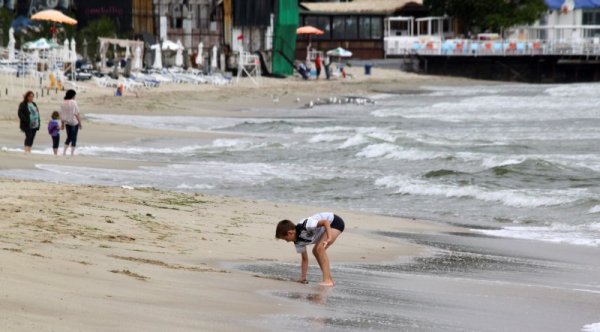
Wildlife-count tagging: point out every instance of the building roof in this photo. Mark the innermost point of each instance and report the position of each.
(386, 7)
(577, 4)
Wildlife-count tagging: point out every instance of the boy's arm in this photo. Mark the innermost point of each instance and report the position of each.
(327, 225)
(303, 267)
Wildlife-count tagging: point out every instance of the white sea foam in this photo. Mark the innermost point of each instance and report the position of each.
(574, 90)
(476, 90)
(184, 186)
(218, 145)
(595, 327)
(313, 130)
(137, 150)
(516, 198)
(326, 138)
(391, 151)
(198, 175)
(181, 123)
(355, 140)
(236, 144)
(497, 108)
(594, 209)
(590, 161)
(586, 235)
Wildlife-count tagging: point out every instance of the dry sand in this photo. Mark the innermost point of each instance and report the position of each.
(93, 258)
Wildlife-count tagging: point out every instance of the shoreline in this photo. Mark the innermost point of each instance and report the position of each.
(113, 245)
(100, 257)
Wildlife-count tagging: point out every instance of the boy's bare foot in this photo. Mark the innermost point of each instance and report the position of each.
(327, 283)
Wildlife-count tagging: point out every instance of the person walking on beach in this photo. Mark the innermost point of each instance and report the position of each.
(29, 119)
(54, 131)
(318, 65)
(71, 120)
(321, 229)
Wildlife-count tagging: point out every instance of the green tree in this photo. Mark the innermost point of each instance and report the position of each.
(492, 15)
(103, 27)
(6, 17)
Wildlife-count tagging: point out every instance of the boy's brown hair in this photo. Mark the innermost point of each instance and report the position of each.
(55, 115)
(283, 227)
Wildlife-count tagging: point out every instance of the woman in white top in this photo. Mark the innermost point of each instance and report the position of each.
(69, 115)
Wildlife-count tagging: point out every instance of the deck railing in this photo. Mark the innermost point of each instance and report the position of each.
(536, 40)
(465, 47)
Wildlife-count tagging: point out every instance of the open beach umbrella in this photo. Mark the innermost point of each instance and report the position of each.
(40, 44)
(308, 30)
(339, 52)
(171, 46)
(52, 15)
(21, 23)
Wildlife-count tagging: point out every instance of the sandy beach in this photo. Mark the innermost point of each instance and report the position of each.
(102, 258)
(96, 258)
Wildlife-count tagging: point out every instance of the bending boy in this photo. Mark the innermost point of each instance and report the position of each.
(322, 230)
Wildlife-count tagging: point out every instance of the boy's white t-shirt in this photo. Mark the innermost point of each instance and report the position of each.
(307, 231)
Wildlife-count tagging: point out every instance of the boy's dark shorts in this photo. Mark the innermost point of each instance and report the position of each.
(338, 223)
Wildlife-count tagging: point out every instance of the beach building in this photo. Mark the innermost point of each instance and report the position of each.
(357, 26)
(191, 21)
(569, 26)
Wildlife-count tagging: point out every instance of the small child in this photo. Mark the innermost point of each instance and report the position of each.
(322, 230)
(54, 131)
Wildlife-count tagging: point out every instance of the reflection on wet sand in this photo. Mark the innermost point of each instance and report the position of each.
(318, 296)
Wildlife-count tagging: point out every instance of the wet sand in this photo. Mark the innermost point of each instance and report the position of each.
(94, 258)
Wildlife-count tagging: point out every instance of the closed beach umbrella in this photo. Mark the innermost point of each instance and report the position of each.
(213, 60)
(65, 52)
(179, 55)
(157, 57)
(137, 60)
(199, 57)
(73, 50)
(35, 56)
(11, 44)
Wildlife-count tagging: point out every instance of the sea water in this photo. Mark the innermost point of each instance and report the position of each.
(509, 160)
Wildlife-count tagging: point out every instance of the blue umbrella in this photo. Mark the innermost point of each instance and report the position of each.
(22, 22)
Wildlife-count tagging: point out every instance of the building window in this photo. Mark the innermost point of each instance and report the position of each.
(591, 17)
(351, 27)
(338, 27)
(321, 23)
(364, 27)
(376, 27)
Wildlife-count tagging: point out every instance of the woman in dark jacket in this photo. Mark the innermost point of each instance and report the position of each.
(29, 117)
